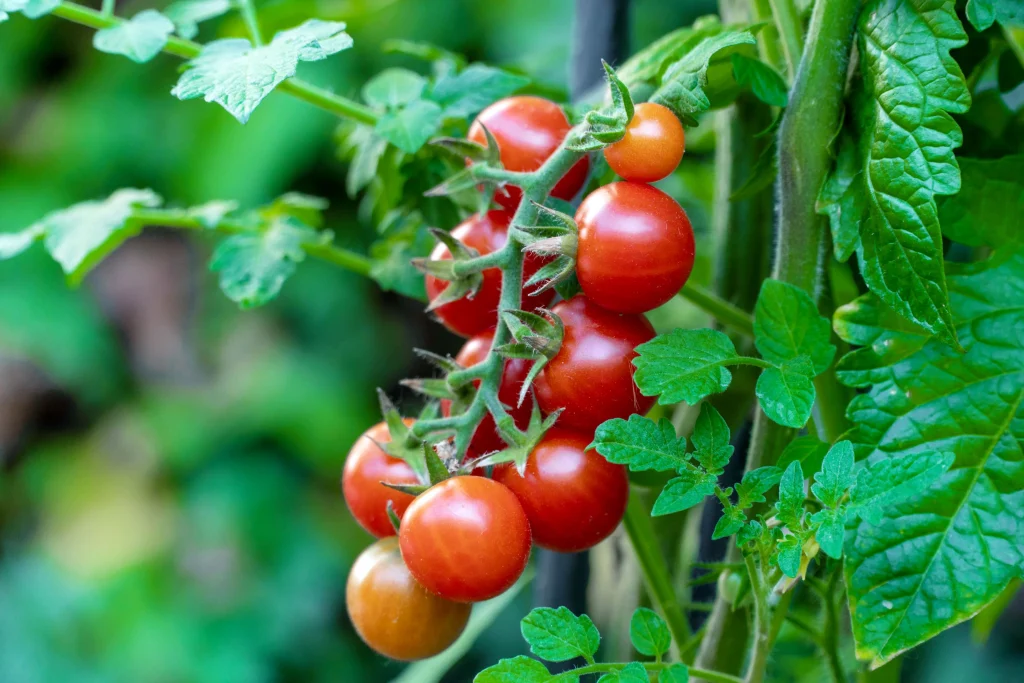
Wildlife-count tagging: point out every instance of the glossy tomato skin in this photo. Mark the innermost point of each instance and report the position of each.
(652, 147)
(573, 497)
(592, 374)
(528, 129)
(467, 316)
(486, 438)
(365, 468)
(395, 615)
(636, 247)
(466, 539)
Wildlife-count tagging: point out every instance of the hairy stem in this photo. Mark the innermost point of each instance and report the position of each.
(762, 623)
(830, 638)
(187, 49)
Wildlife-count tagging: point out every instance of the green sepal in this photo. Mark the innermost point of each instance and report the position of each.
(461, 148)
(396, 523)
(411, 489)
(605, 126)
(437, 470)
(403, 445)
(542, 334)
(520, 444)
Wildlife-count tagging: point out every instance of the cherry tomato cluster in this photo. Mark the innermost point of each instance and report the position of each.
(468, 538)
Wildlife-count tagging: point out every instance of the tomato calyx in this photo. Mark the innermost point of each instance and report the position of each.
(428, 464)
(461, 285)
(520, 442)
(535, 337)
(555, 234)
(603, 127)
(442, 388)
(484, 172)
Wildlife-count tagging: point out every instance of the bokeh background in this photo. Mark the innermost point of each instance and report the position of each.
(169, 501)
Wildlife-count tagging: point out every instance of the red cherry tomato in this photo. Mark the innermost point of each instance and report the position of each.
(635, 247)
(592, 374)
(652, 147)
(392, 613)
(486, 438)
(573, 497)
(466, 539)
(528, 129)
(467, 316)
(365, 468)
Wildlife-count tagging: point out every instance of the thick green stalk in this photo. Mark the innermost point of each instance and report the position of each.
(655, 570)
(830, 638)
(762, 623)
(187, 49)
(791, 32)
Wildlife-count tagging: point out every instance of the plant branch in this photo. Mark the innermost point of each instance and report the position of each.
(723, 311)
(652, 667)
(108, 7)
(830, 637)
(787, 21)
(187, 49)
(762, 623)
(252, 24)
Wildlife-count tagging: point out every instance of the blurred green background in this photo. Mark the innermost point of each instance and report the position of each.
(169, 500)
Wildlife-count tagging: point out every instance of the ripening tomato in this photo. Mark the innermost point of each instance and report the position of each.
(528, 129)
(486, 438)
(466, 539)
(591, 377)
(467, 316)
(392, 613)
(365, 468)
(635, 247)
(573, 497)
(652, 146)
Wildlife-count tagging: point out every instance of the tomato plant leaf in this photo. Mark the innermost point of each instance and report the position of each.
(649, 633)
(237, 76)
(409, 128)
(791, 494)
(787, 325)
(786, 392)
(755, 484)
(188, 14)
(690, 488)
(789, 555)
(685, 365)
(558, 635)
(988, 208)
(520, 669)
(393, 88)
(764, 81)
(830, 531)
(33, 9)
(984, 13)
(843, 198)
(807, 449)
(634, 672)
(139, 39)
(836, 475)
(677, 673)
(710, 439)
(683, 83)
(254, 266)
(464, 94)
(14, 243)
(732, 520)
(967, 528)
(642, 444)
(890, 480)
(761, 177)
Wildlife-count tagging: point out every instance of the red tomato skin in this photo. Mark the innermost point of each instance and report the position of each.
(486, 438)
(592, 374)
(528, 129)
(466, 539)
(652, 147)
(365, 468)
(573, 497)
(467, 317)
(636, 247)
(395, 615)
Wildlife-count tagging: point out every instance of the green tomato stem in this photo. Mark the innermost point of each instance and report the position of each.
(108, 7)
(252, 24)
(187, 49)
(723, 311)
(787, 21)
(652, 667)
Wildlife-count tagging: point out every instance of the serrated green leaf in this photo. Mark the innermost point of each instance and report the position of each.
(682, 86)
(710, 439)
(830, 531)
(891, 480)
(836, 475)
(649, 633)
(685, 365)
(984, 13)
(188, 14)
(558, 635)
(410, 128)
(307, 209)
(254, 266)
(33, 9)
(212, 213)
(648, 64)
(683, 492)
(237, 76)
(808, 450)
(789, 554)
(911, 86)
(791, 493)
(749, 532)
(139, 39)
(843, 198)
(787, 325)
(393, 88)
(755, 484)
(521, 669)
(732, 520)
(369, 148)
(642, 444)
(80, 236)
(391, 256)
(478, 85)
(14, 243)
(764, 81)
(786, 392)
(966, 530)
(987, 210)
(677, 673)
(634, 672)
